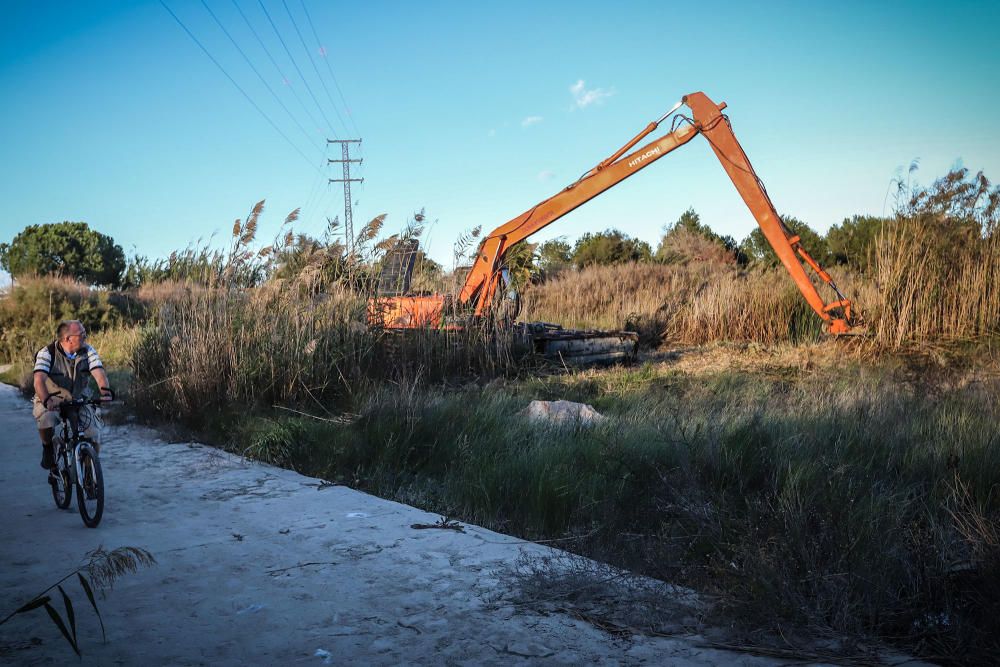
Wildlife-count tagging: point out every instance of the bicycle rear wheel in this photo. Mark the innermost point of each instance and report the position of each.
(90, 487)
(62, 486)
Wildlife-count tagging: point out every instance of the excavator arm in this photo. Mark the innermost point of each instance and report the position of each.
(707, 119)
(714, 126)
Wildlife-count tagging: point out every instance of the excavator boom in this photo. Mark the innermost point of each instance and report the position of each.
(485, 276)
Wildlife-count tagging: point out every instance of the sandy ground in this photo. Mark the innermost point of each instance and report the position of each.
(259, 565)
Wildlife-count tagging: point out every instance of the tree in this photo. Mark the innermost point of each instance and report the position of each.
(553, 256)
(519, 260)
(68, 249)
(609, 247)
(759, 251)
(688, 239)
(851, 241)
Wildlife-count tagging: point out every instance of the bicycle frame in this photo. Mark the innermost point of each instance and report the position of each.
(71, 440)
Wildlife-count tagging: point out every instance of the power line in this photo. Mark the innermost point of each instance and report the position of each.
(314, 199)
(312, 61)
(262, 79)
(276, 66)
(325, 205)
(296, 65)
(347, 108)
(238, 87)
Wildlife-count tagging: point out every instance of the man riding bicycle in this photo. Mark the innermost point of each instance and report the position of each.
(63, 370)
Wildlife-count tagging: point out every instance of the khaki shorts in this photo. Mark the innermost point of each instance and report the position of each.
(50, 419)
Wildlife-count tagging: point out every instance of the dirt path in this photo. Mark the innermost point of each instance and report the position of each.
(258, 565)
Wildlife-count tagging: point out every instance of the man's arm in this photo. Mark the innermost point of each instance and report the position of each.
(97, 372)
(41, 391)
(43, 364)
(102, 381)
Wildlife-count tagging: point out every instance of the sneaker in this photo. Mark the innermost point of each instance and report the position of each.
(48, 460)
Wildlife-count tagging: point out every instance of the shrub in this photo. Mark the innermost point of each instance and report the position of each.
(31, 310)
(609, 247)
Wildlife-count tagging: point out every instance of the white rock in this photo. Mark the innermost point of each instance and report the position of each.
(562, 412)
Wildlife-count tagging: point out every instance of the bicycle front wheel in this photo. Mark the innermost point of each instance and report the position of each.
(62, 487)
(90, 487)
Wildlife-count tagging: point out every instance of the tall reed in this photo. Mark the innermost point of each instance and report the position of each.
(930, 285)
(278, 344)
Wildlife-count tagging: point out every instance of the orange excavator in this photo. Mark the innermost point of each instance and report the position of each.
(486, 283)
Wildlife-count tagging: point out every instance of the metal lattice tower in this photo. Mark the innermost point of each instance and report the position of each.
(346, 180)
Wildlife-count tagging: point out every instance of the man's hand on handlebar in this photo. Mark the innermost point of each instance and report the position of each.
(50, 405)
(107, 395)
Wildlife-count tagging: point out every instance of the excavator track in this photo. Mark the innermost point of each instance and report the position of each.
(581, 347)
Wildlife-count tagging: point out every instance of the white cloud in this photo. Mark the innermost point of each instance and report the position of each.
(546, 175)
(583, 98)
(531, 120)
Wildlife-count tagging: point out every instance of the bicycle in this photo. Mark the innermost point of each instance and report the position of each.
(77, 464)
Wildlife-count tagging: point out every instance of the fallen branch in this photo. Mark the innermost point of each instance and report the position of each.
(293, 567)
(442, 523)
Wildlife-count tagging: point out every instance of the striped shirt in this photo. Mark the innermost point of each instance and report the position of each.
(43, 359)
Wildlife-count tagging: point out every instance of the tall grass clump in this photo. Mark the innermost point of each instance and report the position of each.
(281, 343)
(937, 265)
(477, 350)
(223, 341)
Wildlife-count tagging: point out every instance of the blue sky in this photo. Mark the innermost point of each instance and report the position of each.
(112, 115)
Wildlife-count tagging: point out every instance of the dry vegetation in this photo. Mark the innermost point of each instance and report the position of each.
(933, 286)
(677, 304)
(924, 287)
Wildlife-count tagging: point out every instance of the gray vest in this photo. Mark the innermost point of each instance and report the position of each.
(69, 377)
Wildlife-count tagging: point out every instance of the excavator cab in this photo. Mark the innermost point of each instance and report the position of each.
(396, 275)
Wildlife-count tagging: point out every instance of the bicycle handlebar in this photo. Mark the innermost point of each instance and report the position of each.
(80, 402)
